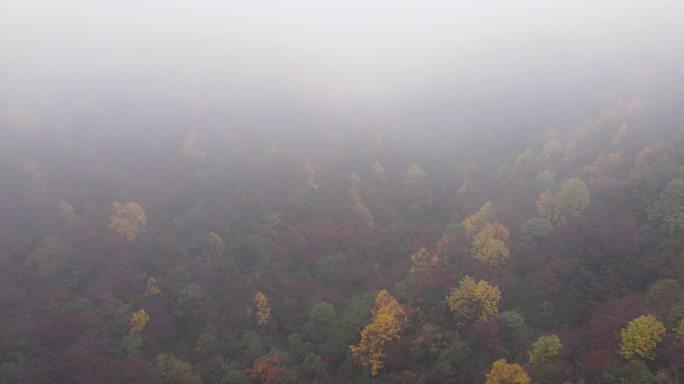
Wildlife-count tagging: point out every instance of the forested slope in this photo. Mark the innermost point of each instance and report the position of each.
(146, 239)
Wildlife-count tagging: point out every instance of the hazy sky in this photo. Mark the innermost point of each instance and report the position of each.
(358, 48)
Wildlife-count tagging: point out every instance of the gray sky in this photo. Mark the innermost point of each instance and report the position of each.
(331, 48)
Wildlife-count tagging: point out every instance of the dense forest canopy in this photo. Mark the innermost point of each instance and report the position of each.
(419, 200)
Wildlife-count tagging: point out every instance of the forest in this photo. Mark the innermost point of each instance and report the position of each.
(316, 203)
(375, 254)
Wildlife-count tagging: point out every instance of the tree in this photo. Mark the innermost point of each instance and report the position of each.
(545, 179)
(536, 229)
(572, 199)
(127, 219)
(36, 179)
(191, 293)
(66, 210)
(551, 149)
(361, 210)
(476, 221)
(321, 321)
(504, 373)
(232, 375)
(50, 258)
(138, 321)
(131, 344)
(216, 246)
(314, 364)
(388, 320)
(270, 369)
(251, 346)
(546, 348)
(421, 261)
(191, 149)
(679, 330)
(263, 311)
(474, 301)
(206, 341)
(378, 171)
(668, 209)
(457, 360)
(416, 186)
(634, 372)
(526, 157)
(488, 245)
(310, 175)
(641, 337)
(176, 370)
(152, 288)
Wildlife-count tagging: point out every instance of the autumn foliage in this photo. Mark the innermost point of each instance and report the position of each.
(388, 320)
(127, 219)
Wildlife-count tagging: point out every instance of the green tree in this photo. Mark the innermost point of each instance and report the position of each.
(676, 314)
(571, 201)
(251, 347)
(321, 322)
(679, 330)
(131, 344)
(668, 209)
(416, 186)
(546, 348)
(634, 372)
(298, 347)
(536, 229)
(176, 370)
(314, 365)
(230, 374)
(50, 258)
(66, 210)
(457, 360)
(545, 179)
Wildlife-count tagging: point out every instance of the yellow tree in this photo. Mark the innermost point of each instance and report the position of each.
(378, 171)
(488, 245)
(474, 301)
(263, 311)
(476, 221)
(504, 373)
(190, 294)
(361, 210)
(138, 321)
(641, 337)
(127, 219)
(421, 261)
(310, 175)
(191, 149)
(216, 245)
(388, 320)
(152, 288)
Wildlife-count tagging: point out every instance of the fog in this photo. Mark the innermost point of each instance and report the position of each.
(352, 51)
(280, 192)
